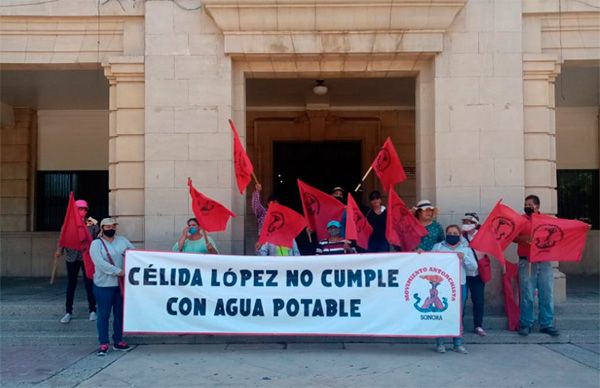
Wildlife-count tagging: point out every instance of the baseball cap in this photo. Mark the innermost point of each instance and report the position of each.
(108, 221)
(334, 224)
(81, 203)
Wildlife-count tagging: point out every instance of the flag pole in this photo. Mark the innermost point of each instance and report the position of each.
(255, 178)
(308, 234)
(54, 267)
(363, 178)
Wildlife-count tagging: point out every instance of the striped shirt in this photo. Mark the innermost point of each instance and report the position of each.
(327, 247)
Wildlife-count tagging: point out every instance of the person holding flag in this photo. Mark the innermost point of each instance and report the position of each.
(377, 216)
(425, 213)
(532, 276)
(277, 237)
(191, 240)
(74, 262)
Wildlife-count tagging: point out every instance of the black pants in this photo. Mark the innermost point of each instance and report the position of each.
(476, 288)
(73, 270)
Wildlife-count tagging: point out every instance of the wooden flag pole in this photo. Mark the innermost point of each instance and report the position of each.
(54, 267)
(255, 178)
(308, 234)
(363, 178)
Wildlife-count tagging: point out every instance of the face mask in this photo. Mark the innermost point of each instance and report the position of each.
(109, 232)
(192, 230)
(334, 232)
(468, 227)
(452, 240)
(528, 210)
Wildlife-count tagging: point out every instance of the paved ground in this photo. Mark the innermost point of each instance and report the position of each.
(281, 365)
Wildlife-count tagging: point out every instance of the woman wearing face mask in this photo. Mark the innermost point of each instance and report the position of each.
(454, 243)
(470, 226)
(193, 241)
(75, 264)
(425, 212)
(107, 253)
(377, 216)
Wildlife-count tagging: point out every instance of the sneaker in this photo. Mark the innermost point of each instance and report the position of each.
(551, 331)
(480, 332)
(102, 350)
(460, 349)
(66, 318)
(524, 331)
(93, 316)
(122, 346)
(441, 349)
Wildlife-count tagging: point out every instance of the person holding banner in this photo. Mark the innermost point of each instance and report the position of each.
(425, 213)
(108, 254)
(75, 264)
(191, 240)
(269, 249)
(454, 243)
(470, 225)
(377, 216)
(335, 244)
(534, 275)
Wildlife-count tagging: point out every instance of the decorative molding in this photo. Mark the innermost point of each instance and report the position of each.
(540, 67)
(334, 26)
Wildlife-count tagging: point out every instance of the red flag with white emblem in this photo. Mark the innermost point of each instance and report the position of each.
(243, 165)
(388, 167)
(211, 215)
(357, 226)
(557, 239)
(281, 226)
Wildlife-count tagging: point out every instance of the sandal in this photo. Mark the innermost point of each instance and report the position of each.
(480, 332)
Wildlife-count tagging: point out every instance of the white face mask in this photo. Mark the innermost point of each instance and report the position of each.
(468, 227)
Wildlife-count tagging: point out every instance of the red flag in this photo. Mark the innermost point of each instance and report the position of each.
(387, 166)
(357, 226)
(319, 209)
(241, 161)
(401, 226)
(557, 239)
(74, 233)
(510, 289)
(498, 231)
(281, 226)
(211, 215)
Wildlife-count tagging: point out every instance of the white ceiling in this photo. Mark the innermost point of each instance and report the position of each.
(54, 89)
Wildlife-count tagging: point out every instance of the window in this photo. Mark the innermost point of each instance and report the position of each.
(52, 194)
(578, 195)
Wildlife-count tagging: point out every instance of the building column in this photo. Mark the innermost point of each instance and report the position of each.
(539, 74)
(126, 144)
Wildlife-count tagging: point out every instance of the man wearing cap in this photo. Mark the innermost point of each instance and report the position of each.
(335, 244)
(74, 262)
(108, 254)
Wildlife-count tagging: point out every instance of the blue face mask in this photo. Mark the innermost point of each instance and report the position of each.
(452, 240)
(193, 230)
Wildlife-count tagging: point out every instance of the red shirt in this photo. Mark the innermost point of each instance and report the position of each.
(523, 247)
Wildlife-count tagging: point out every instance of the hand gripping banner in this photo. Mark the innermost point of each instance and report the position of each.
(390, 294)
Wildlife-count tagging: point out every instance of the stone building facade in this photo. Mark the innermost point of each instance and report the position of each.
(484, 99)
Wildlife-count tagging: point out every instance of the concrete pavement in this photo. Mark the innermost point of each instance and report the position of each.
(305, 364)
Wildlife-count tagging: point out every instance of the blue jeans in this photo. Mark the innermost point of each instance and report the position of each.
(109, 298)
(456, 341)
(540, 276)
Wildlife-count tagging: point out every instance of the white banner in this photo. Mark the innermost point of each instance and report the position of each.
(395, 294)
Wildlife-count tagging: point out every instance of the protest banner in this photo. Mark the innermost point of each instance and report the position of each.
(389, 294)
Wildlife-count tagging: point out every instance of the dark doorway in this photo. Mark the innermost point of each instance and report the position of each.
(323, 165)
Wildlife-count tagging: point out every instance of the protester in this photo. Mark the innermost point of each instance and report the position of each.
(335, 244)
(107, 253)
(338, 193)
(470, 225)
(269, 249)
(75, 264)
(453, 243)
(377, 216)
(534, 275)
(425, 213)
(192, 240)
(259, 210)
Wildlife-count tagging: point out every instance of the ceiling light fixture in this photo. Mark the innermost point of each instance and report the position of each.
(320, 89)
